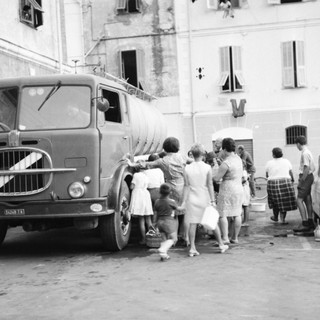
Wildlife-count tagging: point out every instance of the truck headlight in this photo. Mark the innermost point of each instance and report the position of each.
(76, 190)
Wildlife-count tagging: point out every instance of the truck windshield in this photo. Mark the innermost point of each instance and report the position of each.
(8, 108)
(68, 107)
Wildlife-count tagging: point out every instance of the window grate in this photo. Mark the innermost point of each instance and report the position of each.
(293, 132)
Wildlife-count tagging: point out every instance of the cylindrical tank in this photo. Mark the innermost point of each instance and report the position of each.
(148, 126)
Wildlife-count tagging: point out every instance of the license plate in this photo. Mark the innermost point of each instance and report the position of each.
(14, 212)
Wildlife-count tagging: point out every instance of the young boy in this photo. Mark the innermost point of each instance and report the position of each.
(164, 216)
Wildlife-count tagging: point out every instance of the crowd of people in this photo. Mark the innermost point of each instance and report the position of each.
(171, 192)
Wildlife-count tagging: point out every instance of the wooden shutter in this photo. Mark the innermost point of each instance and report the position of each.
(38, 19)
(224, 67)
(213, 4)
(122, 4)
(122, 71)
(301, 74)
(287, 64)
(237, 68)
(140, 69)
(36, 5)
(138, 5)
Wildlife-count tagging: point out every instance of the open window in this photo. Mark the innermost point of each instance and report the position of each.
(132, 68)
(293, 64)
(215, 4)
(31, 13)
(231, 77)
(128, 6)
(113, 114)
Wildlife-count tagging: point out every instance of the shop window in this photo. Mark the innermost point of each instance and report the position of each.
(293, 64)
(128, 6)
(231, 78)
(132, 68)
(293, 132)
(31, 13)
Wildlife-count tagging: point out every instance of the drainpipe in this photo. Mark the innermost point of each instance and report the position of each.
(59, 35)
(193, 113)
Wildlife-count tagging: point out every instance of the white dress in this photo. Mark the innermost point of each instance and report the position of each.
(230, 197)
(140, 204)
(246, 189)
(199, 198)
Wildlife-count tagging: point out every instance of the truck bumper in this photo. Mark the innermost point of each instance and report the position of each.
(79, 208)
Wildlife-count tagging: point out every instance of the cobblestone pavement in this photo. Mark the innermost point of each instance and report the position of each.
(65, 274)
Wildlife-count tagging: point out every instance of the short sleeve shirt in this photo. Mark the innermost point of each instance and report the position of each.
(306, 159)
(165, 207)
(278, 168)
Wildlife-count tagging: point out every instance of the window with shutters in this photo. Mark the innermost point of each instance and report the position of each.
(31, 13)
(132, 68)
(293, 132)
(231, 78)
(293, 64)
(286, 1)
(215, 4)
(128, 6)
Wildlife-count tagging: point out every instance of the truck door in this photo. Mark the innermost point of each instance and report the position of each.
(115, 139)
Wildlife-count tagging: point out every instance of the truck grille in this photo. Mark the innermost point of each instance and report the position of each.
(22, 171)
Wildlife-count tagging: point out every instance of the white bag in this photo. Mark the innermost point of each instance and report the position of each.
(210, 218)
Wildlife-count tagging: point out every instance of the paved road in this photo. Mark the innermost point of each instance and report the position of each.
(65, 274)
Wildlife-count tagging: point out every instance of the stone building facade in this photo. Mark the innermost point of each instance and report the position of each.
(32, 38)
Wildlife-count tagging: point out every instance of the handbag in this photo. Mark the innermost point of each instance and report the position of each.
(210, 218)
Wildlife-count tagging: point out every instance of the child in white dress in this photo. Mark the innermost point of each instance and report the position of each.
(140, 204)
(246, 198)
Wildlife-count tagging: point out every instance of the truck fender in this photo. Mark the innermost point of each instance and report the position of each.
(122, 173)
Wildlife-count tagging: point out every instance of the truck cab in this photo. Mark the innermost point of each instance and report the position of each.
(63, 141)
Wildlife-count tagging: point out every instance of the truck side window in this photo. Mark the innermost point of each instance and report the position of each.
(113, 114)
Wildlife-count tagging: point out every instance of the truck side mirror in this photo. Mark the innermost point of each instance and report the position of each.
(103, 104)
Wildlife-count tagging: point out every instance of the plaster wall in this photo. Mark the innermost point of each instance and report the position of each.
(258, 29)
(28, 51)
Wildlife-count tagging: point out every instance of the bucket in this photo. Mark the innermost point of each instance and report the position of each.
(258, 207)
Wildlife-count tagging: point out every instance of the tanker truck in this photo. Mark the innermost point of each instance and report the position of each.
(63, 141)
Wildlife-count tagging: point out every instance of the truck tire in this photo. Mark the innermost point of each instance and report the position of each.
(115, 228)
(3, 230)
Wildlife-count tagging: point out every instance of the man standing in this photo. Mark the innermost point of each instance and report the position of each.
(218, 150)
(306, 178)
(251, 169)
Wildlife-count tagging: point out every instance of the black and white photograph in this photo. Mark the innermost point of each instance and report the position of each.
(159, 159)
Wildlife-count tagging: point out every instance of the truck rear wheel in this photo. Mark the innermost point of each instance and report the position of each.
(115, 228)
(3, 230)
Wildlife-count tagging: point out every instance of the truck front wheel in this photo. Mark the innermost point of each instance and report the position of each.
(115, 228)
(3, 230)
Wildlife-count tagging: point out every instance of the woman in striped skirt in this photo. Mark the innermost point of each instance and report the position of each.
(281, 194)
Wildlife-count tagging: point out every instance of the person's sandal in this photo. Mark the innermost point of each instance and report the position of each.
(193, 253)
(164, 256)
(223, 248)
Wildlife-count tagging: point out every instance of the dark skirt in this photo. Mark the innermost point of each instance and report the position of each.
(281, 195)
